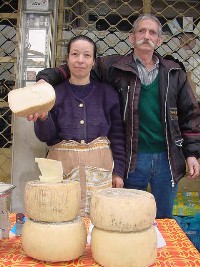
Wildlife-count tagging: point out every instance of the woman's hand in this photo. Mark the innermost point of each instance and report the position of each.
(41, 81)
(41, 116)
(117, 181)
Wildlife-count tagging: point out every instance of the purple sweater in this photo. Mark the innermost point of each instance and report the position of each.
(92, 112)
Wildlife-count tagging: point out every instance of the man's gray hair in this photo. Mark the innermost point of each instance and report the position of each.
(148, 16)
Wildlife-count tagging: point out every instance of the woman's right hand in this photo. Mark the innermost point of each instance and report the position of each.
(41, 81)
(38, 116)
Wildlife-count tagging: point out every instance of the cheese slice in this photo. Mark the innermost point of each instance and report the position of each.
(54, 241)
(52, 202)
(31, 99)
(51, 170)
(122, 210)
(114, 249)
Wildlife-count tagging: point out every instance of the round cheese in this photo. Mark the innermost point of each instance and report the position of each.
(31, 99)
(54, 241)
(122, 210)
(52, 202)
(114, 249)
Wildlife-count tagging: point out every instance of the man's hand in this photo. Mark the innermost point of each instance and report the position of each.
(41, 116)
(117, 181)
(193, 167)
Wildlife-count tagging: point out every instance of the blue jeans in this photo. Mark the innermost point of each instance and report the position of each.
(154, 169)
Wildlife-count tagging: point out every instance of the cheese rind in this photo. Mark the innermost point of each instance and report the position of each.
(114, 249)
(54, 241)
(31, 99)
(122, 210)
(52, 202)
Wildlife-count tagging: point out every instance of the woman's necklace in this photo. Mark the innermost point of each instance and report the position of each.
(79, 82)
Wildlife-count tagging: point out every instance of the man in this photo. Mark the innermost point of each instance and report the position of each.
(161, 115)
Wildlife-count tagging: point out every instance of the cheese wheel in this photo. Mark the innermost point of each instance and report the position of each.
(52, 202)
(31, 99)
(122, 210)
(54, 241)
(114, 249)
(51, 170)
(50, 179)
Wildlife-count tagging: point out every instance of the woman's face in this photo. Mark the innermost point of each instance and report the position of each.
(80, 59)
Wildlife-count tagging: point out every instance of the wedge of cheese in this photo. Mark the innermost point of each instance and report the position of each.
(31, 99)
(54, 241)
(51, 170)
(114, 249)
(52, 202)
(122, 210)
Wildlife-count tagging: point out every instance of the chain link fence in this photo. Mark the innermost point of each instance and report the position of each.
(108, 23)
(8, 31)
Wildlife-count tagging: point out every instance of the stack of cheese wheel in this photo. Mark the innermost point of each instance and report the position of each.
(53, 230)
(123, 233)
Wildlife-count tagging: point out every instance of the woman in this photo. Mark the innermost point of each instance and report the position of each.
(84, 129)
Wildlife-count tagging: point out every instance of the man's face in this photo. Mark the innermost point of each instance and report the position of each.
(145, 37)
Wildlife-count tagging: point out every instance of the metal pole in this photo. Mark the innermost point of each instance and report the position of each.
(146, 6)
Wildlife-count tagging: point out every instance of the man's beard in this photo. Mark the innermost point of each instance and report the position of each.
(144, 41)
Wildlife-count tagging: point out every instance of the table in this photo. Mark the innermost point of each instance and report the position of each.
(178, 252)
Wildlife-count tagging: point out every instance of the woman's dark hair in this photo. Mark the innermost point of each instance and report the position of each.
(85, 38)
